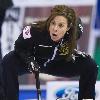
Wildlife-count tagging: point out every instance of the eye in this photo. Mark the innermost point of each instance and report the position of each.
(52, 23)
(61, 25)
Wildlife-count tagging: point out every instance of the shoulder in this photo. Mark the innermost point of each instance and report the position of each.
(39, 25)
(84, 57)
(34, 29)
(81, 54)
(30, 30)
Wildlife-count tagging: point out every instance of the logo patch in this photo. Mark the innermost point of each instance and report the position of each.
(69, 93)
(64, 49)
(26, 32)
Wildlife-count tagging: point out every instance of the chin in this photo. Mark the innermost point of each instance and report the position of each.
(56, 40)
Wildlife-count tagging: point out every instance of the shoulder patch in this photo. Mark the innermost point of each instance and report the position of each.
(26, 32)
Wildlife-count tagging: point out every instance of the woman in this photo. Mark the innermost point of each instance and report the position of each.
(51, 45)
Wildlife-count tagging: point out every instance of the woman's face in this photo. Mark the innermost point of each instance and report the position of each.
(58, 27)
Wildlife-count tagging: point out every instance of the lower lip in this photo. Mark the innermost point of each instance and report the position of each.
(54, 36)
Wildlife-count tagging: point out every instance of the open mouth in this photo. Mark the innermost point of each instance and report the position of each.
(54, 34)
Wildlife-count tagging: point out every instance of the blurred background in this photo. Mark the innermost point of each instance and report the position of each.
(23, 12)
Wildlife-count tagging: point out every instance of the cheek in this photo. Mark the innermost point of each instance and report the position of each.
(63, 32)
(50, 29)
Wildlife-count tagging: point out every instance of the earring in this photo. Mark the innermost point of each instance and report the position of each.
(67, 33)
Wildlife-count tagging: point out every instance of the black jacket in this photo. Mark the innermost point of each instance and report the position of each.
(40, 46)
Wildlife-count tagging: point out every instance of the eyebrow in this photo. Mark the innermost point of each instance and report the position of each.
(59, 22)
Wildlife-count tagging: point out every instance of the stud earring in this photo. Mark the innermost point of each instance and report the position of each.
(67, 33)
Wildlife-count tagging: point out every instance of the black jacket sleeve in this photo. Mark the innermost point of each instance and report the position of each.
(24, 45)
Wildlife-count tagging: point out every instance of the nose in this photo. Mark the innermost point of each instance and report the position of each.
(55, 28)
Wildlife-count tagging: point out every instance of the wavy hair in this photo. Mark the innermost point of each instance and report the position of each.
(70, 15)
